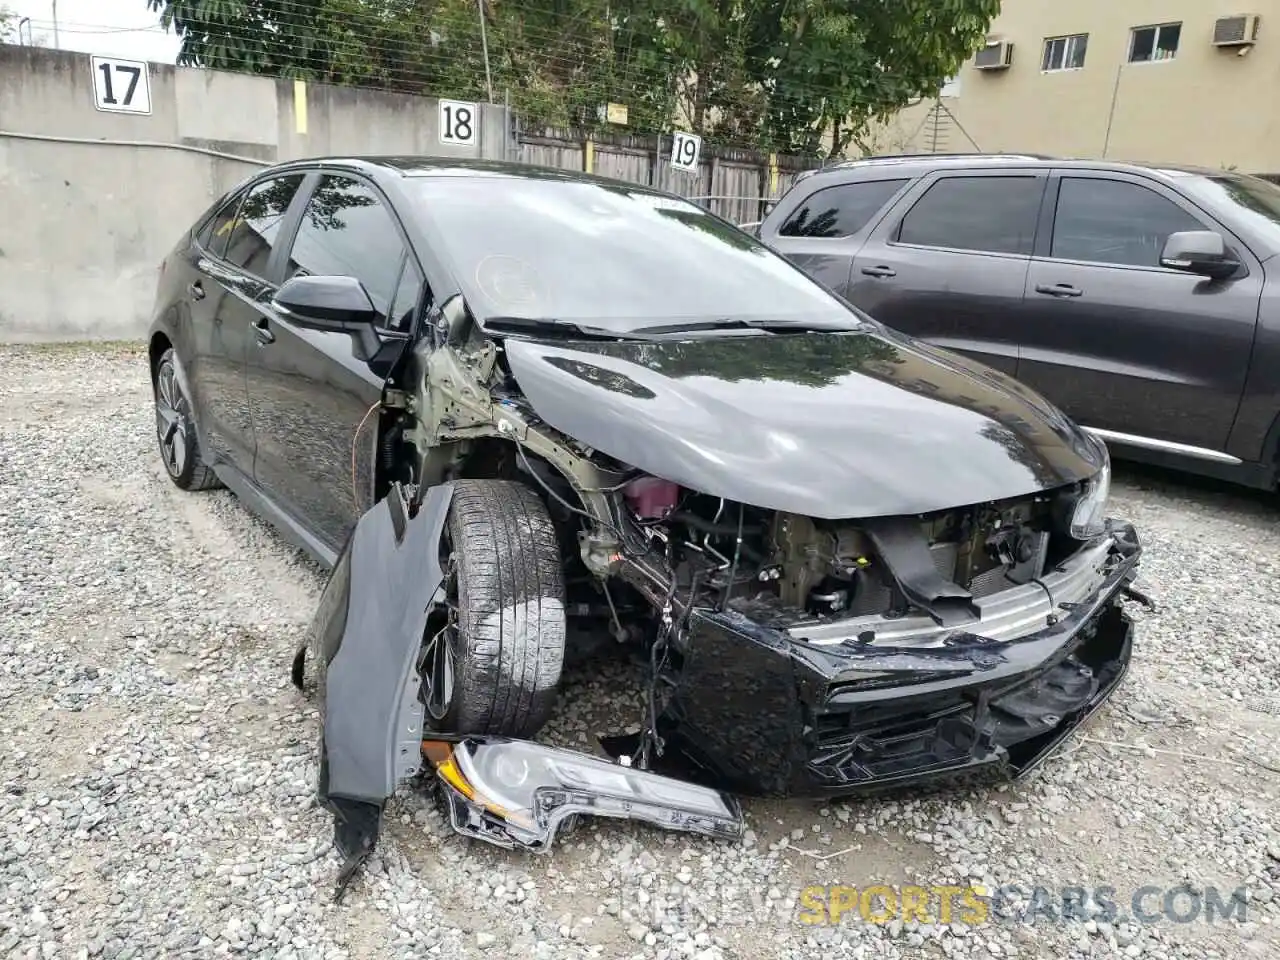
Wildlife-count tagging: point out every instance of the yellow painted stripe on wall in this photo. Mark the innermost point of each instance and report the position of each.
(300, 104)
(589, 156)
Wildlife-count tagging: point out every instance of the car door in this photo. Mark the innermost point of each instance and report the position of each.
(230, 256)
(949, 263)
(823, 230)
(311, 390)
(1121, 343)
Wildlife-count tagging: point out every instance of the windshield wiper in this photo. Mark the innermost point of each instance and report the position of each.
(549, 327)
(733, 323)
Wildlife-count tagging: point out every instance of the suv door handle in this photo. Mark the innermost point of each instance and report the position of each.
(196, 290)
(1058, 290)
(262, 329)
(880, 271)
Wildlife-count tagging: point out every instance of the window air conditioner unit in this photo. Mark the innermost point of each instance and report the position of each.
(996, 55)
(1237, 31)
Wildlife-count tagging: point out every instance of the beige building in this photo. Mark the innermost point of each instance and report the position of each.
(1175, 81)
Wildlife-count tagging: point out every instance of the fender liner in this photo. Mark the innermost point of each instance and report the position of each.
(365, 640)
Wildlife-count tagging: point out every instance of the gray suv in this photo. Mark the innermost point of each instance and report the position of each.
(1144, 301)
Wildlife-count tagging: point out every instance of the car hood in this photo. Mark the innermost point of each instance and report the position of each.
(828, 425)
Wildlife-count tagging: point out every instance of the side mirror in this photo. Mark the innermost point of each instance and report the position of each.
(1198, 251)
(326, 303)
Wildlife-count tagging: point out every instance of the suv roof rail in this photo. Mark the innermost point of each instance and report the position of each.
(907, 157)
(959, 155)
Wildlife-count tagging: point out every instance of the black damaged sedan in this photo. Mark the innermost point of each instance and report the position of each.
(516, 410)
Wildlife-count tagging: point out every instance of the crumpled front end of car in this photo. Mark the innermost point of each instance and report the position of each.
(766, 703)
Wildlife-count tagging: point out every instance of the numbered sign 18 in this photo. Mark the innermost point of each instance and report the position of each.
(458, 123)
(121, 86)
(685, 150)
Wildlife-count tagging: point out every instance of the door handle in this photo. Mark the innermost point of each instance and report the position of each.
(196, 290)
(1058, 290)
(262, 330)
(880, 271)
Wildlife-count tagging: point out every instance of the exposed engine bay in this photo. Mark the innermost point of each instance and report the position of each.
(804, 569)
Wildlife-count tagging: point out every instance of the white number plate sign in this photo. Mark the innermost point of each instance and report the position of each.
(457, 123)
(121, 86)
(686, 148)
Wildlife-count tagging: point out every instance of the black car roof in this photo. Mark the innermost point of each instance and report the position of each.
(431, 166)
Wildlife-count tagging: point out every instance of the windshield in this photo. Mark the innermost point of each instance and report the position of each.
(1250, 198)
(610, 257)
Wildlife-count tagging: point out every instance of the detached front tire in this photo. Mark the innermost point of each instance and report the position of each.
(494, 652)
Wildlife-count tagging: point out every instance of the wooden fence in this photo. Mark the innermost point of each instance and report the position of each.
(735, 184)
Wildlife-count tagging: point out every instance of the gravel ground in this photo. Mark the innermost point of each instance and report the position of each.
(156, 765)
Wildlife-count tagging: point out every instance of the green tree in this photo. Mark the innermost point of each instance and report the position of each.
(787, 76)
(790, 76)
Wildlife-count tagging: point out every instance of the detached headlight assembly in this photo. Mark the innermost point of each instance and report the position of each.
(1088, 519)
(515, 793)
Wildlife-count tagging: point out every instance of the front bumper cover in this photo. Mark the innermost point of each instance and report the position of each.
(758, 711)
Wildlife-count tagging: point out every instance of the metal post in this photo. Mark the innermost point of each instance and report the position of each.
(484, 42)
(1111, 115)
(56, 45)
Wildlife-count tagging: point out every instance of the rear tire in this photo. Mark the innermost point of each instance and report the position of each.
(175, 427)
(506, 636)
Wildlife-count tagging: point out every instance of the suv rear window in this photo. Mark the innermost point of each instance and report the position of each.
(987, 214)
(840, 211)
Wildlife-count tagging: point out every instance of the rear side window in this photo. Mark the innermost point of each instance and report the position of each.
(258, 223)
(347, 231)
(840, 211)
(1114, 221)
(216, 232)
(986, 214)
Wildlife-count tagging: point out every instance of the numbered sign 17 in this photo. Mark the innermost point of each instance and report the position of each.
(458, 123)
(685, 150)
(121, 86)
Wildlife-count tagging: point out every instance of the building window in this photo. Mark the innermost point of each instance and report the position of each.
(1155, 43)
(1065, 53)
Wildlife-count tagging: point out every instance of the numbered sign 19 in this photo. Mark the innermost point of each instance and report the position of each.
(458, 123)
(685, 150)
(121, 86)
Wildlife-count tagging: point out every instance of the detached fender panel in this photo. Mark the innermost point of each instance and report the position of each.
(365, 639)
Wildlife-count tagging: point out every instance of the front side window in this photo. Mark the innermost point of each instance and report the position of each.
(985, 214)
(1065, 53)
(347, 231)
(1155, 43)
(1115, 222)
(840, 211)
(257, 223)
(612, 256)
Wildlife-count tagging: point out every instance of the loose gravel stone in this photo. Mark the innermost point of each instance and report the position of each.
(157, 768)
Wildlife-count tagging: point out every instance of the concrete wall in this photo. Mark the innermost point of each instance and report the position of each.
(1207, 106)
(85, 224)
